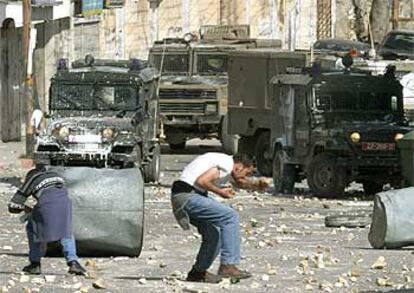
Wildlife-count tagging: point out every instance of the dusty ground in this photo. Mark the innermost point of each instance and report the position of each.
(285, 244)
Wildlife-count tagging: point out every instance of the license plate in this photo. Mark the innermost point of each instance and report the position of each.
(87, 138)
(91, 147)
(376, 146)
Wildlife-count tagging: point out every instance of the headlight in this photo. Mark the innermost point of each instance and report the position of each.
(355, 137)
(211, 108)
(398, 136)
(108, 133)
(64, 132)
(188, 37)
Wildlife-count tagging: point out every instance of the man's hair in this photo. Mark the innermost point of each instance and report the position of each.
(244, 159)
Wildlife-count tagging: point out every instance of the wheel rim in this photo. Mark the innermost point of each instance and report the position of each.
(325, 176)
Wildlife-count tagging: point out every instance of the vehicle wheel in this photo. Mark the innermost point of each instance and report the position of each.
(152, 169)
(283, 174)
(229, 142)
(350, 221)
(264, 165)
(371, 187)
(325, 178)
(177, 146)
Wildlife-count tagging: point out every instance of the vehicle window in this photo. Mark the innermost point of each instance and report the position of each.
(211, 63)
(400, 41)
(323, 102)
(377, 101)
(93, 97)
(106, 94)
(71, 97)
(340, 47)
(301, 108)
(115, 98)
(171, 63)
(335, 100)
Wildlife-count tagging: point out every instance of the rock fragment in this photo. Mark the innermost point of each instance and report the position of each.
(379, 264)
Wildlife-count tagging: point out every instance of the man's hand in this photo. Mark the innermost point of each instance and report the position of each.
(260, 184)
(227, 192)
(27, 209)
(207, 181)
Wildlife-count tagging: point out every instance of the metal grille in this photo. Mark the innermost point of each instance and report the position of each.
(76, 147)
(211, 64)
(385, 136)
(181, 108)
(324, 24)
(187, 94)
(177, 63)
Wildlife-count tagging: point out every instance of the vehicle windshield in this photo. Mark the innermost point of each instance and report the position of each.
(400, 42)
(171, 63)
(211, 63)
(338, 46)
(93, 97)
(360, 106)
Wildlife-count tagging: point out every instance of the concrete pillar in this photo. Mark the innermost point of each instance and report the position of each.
(153, 24)
(119, 33)
(185, 12)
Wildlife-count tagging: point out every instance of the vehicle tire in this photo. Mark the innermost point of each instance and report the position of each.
(349, 221)
(325, 178)
(264, 165)
(229, 142)
(371, 187)
(283, 174)
(177, 146)
(152, 169)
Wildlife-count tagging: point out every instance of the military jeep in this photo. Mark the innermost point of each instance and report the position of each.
(102, 113)
(336, 128)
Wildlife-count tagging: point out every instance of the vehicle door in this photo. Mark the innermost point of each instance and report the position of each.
(302, 130)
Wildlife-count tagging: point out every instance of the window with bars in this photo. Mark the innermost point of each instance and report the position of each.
(324, 22)
(211, 63)
(172, 63)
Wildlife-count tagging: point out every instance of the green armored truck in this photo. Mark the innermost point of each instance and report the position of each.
(193, 84)
(330, 127)
(103, 113)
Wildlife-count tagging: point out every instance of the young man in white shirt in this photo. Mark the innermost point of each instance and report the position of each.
(216, 222)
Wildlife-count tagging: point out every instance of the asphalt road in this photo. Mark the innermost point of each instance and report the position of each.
(285, 244)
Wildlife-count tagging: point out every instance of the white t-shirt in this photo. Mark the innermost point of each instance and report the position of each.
(205, 162)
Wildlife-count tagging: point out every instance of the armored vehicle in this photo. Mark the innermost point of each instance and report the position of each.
(331, 127)
(103, 113)
(193, 87)
(249, 94)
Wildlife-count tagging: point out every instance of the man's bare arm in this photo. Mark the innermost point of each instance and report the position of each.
(252, 184)
(207, 181)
